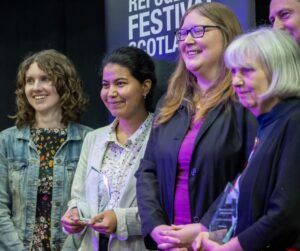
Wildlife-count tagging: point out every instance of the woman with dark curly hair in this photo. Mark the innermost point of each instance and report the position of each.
(39, 155)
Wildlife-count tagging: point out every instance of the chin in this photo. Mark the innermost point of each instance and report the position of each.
(193, 68)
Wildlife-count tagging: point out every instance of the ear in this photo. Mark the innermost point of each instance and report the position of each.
(146, 87)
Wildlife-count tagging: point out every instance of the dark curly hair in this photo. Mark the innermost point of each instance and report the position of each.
(139, 64)
(62, 72)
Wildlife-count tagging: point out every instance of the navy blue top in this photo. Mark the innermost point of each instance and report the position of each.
(269, 200)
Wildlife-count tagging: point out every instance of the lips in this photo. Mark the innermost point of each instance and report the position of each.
(242, 94)
(39, 97)
(114, 104)
(193, 52)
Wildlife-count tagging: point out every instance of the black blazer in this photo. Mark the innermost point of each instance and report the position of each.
(220, 152)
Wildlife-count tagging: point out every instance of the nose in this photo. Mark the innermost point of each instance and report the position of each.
(278, 24)
(112, 91)
(189, 38)
(36, 85)
(237, 79)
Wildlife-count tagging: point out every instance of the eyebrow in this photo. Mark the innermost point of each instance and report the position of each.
(117, 79)
(283, 10)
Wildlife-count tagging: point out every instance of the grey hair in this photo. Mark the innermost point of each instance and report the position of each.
(278, 54)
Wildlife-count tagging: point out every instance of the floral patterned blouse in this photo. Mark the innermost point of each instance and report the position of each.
(118, 161)
(47, 142)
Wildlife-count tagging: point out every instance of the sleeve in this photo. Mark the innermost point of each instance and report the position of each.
(78, 187)
(9, 239)
(78, 195)
(128, 222)
(148, 198)
(282, 217)
(72, 243)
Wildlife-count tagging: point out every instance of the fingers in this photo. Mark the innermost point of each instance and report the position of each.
(166, 246)
(198, 242)
(170, 233)
(176, 249)
(97, 224)
(177, 227)
(96, 219)
(168, 242)
(105, 222)
(71, 223)
(71, 217)
(100, 227)
(207, 243)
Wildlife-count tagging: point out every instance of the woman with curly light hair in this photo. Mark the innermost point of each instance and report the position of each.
(38, 156)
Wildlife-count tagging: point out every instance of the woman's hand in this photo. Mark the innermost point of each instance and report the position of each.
(104, 223)
(71, 222)
(183, 235)
(203, 243)
(197, 243)
(158, 236)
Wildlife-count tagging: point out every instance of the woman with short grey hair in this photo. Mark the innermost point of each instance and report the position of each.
(265, 66)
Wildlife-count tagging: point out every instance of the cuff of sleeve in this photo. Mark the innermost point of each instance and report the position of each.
(72, 203)
(121, 230)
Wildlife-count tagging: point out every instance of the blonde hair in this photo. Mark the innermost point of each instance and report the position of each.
(183, 84)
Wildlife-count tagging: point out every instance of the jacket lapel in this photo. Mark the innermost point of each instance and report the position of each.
(208, 121)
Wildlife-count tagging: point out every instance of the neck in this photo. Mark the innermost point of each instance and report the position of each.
(52, 120)
(265, 106)
(206, 78)
(127, 127)
(204, 83)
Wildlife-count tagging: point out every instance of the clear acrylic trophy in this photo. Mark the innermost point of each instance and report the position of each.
(223, 223)
(104, 191)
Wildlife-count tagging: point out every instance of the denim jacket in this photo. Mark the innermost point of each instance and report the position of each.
(19, 173)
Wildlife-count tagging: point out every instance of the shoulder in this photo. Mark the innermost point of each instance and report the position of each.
(13, 132)
(13, 138)
(293, 116)
(100, 132)
(80, 127)
(287, 113)
(77, 131)
(9, 130)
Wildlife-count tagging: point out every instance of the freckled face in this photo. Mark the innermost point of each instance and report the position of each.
(40, 91)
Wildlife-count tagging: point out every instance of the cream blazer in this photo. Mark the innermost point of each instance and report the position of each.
(85, 197)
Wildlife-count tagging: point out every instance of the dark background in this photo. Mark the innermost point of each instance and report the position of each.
(73, 27)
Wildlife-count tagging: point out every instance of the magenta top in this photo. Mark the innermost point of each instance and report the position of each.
(182, 212)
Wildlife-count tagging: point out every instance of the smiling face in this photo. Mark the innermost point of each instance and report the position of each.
(202, 55)
(249, 83)
(122, 94)
(285, 14)
(40, 92)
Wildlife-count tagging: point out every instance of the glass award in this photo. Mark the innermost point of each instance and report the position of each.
(223, 223)
(104, 192)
